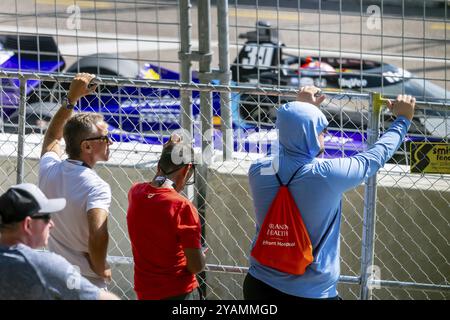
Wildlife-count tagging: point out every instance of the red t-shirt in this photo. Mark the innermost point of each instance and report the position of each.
(161, 222)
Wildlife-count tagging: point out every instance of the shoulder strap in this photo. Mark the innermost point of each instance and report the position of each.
(279, 180)
(292, 177)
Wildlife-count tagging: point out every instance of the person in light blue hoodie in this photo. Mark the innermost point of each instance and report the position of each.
(317, 188)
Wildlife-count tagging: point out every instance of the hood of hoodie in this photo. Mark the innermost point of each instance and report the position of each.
(299, 125)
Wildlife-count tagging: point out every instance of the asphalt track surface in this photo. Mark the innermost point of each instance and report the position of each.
(148, 31)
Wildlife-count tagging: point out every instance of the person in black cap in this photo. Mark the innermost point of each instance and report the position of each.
(25, 273)
(25, 215)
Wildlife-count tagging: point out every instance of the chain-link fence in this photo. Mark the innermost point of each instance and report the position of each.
(412, 222)
(120, 35)
(412, 226)
(385, 46)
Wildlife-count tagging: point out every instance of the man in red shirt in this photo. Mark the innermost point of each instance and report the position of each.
(164, 229)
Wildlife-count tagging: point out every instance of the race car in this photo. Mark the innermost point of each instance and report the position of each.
(149, 115)
(263, 61)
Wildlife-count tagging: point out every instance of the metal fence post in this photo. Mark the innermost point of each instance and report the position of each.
(186, 76)
(204, 75)
(185, 65)
(21, 133)
(226, 124)
(370, 197)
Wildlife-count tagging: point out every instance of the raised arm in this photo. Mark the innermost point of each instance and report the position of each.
(78, 89)
(346, 173)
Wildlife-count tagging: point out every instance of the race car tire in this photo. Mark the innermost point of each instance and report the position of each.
(106, 64)
(260, 109)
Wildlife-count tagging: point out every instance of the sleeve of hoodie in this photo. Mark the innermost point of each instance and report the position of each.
(343, 174)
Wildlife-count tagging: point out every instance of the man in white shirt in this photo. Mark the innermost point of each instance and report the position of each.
(81, 233)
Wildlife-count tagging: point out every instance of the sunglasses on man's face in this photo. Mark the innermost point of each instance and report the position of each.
(45, 217)
(104, 138)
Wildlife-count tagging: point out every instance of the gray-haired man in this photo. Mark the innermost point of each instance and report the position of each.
(81, 234)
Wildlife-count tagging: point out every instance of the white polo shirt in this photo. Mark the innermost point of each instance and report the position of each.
(83, 190)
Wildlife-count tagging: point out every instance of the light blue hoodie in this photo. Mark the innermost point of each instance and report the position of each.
(317, 190)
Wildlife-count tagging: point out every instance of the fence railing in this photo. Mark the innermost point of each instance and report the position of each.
(394, 232)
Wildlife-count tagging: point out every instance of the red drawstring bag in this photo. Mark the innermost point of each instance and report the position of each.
(283, 242)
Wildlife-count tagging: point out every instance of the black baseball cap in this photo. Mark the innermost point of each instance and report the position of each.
(26, 200)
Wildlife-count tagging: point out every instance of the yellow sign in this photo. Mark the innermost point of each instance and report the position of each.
(151, 75)
(430, 157)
